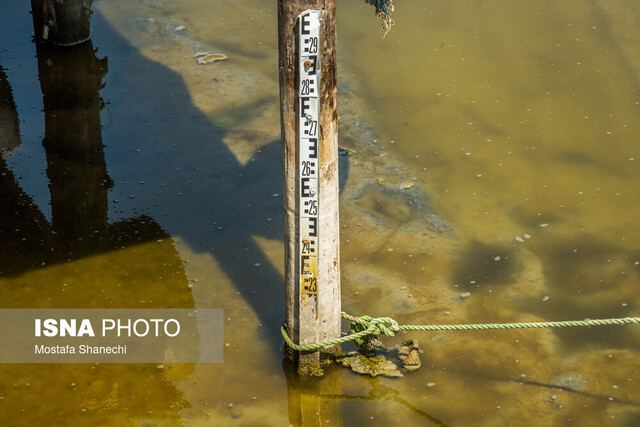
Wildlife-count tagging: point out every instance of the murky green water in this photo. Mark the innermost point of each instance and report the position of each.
(517, 123)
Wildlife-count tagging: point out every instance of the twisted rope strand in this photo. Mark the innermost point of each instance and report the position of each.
(389, 327)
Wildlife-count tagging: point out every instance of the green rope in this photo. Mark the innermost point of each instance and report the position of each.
(389, 327)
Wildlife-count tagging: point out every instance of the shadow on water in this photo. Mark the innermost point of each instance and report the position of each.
(586, 277)
(589, 276)
(78, 180)
(110, 242)
(70, 80)
(481, 265)
(194, 186)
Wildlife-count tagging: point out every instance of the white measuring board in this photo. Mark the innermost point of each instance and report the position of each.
(308, 152)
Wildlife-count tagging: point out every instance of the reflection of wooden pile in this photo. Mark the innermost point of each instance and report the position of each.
(80, 260)
(77, 259)
(9, 125)
(62, 23)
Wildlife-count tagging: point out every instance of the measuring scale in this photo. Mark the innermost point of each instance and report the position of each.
(308, 105)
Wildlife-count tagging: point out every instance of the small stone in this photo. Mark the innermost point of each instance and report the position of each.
(347, 152)
(409, 354)
(407, 185)
(374, 366)
(211, 58)
(519, 239)
(431, 384)
(180, 28)
(234, 411)
(546, 298)
(465, 294)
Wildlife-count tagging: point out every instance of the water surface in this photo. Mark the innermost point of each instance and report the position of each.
(517, 123)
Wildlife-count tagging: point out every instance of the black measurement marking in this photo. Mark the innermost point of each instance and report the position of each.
(305, 24)
(312, 43)
(311, 285)
(305, 105)
(304, 264)
(308, 246)
(313, 127)
(307, 168)
(313, 148)
(312, 207)
(313, 227)
(305, 87)
(304, 190)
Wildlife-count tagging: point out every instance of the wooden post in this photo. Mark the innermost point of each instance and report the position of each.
(310, 170)
(62, 23)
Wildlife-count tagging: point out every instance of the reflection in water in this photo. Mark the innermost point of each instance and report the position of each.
(231, 204)
(79, 259)
(313, 399)
(322, 399)
(529, 152)
(78, 181)
(9, 124)
(70, 79)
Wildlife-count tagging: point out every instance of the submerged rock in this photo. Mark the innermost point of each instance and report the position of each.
(368, 344)
(407, 185)
(347, 152)
(211, 58)
(374, 365)
(409, 354)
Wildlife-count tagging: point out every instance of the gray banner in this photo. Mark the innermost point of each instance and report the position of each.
(111, 336)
